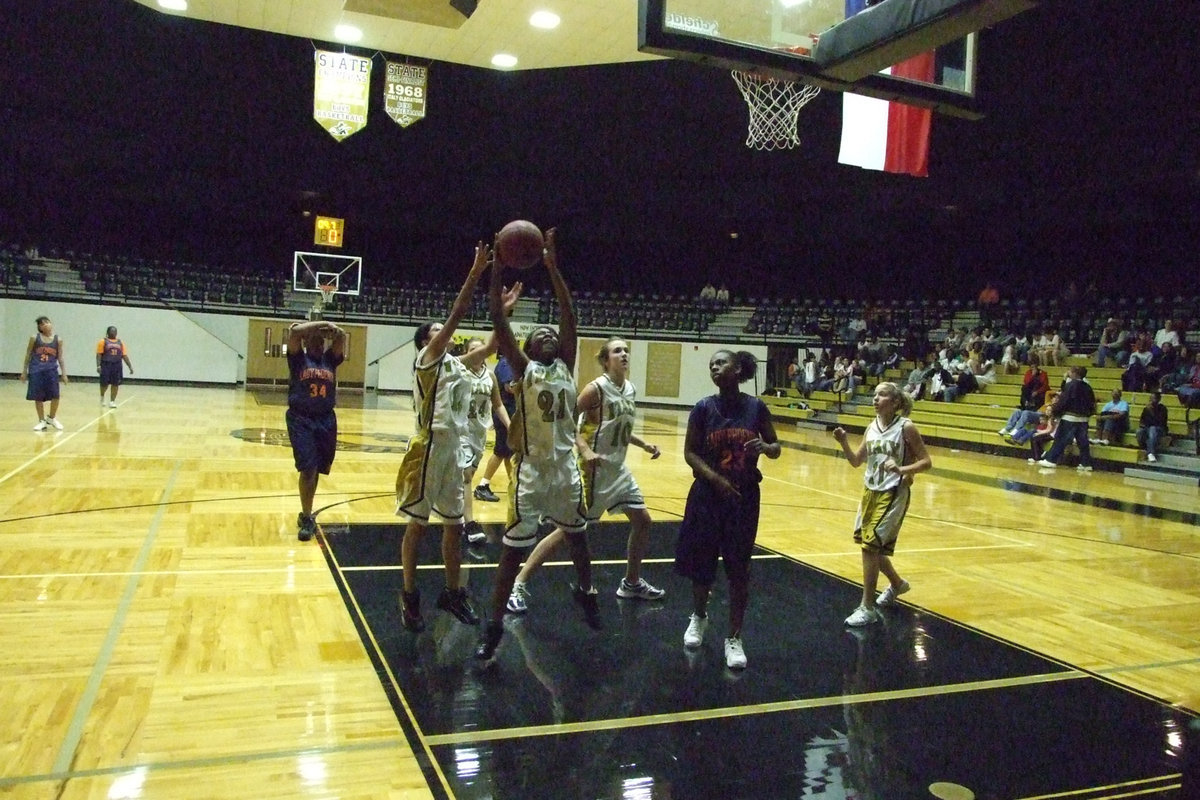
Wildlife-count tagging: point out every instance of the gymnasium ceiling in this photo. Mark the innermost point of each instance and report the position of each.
(591, 31)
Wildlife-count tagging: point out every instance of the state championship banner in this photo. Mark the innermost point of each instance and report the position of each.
(340, 93)
(405, 92)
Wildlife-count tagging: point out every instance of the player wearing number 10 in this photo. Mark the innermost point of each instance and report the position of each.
(311, 420)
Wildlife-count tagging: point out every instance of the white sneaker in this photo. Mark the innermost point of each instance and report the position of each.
(888, 596)
(641, 590)
(735, 656)
(518, 599)
(54, 422)
(1151, 457)
(1047, 464)
(41, 426)
(1004, 432)
(694, 635)
(1082, 468)
(862, 616)
(112, 403)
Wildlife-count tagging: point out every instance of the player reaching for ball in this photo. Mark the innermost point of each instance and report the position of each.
(430, 480)
(607, 413)
(546, 485)
(893, 452)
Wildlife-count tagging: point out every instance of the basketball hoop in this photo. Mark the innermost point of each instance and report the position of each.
(774, 108)
(318, 307)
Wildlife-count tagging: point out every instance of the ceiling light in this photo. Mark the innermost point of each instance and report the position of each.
(504, 61)
(347, 33)
(545, 19)
(173, 5)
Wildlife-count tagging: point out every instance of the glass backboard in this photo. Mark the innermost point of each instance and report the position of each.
(922, 52)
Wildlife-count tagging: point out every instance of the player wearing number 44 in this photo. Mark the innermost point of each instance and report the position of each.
(311, 420)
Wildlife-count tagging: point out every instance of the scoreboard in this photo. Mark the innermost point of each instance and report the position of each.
(329, 231)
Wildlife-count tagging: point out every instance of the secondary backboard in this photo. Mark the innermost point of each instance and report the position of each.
(311, 271)
(843, 45)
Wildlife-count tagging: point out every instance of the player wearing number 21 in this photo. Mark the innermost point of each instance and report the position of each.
(547, 484)
(311, 420)
(607, 412)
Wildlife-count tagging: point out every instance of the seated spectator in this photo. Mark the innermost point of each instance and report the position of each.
(1023, 423)
(1152, 426)
(1172, 380)
(708, 295)
(942, 385)
(723, 296)
(1162, 364)
(914, 386)
(1189, 392)
(1025, 346)
(1113, 420)
(1166, 334)
(891, 359)
(1034, 385)
(1009, 361)
(1134, 376)
(1046, 430)
(1114, 344)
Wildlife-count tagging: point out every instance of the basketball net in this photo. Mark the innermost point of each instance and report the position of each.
(318, 306)
(774, 108)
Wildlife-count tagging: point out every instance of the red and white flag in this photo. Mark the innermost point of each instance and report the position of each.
(886, 135)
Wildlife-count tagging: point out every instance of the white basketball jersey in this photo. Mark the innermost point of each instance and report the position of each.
(545, 418)
(610, 437)
(442, 394)
(882, 444)
(479, 411)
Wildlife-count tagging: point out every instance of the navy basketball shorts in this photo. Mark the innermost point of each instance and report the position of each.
(110, 373)
(42, 386)
(714, 526)
(314, 441)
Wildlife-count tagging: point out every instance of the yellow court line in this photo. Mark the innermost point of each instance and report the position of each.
(471, 737)
(1077, 792)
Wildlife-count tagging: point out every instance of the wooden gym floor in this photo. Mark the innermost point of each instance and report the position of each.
(166, 636)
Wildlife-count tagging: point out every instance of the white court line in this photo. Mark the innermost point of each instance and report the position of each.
(605, 562)
(68, 437)
(854, 500)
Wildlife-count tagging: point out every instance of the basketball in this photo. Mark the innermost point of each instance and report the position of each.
(519, 244)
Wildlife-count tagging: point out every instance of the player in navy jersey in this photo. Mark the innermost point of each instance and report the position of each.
(726, 434)
(43, 363)
(311, 420)
(110, 352)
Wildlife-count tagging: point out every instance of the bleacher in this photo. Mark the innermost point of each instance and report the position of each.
(972, 421)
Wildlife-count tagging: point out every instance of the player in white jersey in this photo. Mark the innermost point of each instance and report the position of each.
(893, 452)
(484, 406)
(430, 480)
(607, 414)
(546, 484)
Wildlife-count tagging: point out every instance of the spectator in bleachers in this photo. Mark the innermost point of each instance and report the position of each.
(1162, 364)
(1034, 385)
(1074, 407)
(1112, 422)
(723, 296)
(1172, 380)
(1189, 392)
(1114, 344)
(1133, 379)
(806, 376)
(871, 354)
(708, 295)
(1009, 361)
(1166, 334)
(1044, 434)
(1024, 423)
(1046, 346)
(914, 387)
(989, 298)
(1152, 426)
(891, 358)
(1025, 346)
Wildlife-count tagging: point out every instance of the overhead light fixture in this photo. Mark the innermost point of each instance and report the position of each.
(547, 20)
(504, 61)
(173, 5)
(347, 33)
